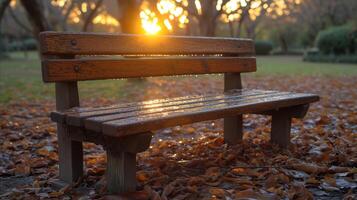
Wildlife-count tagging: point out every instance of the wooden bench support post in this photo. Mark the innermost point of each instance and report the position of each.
(281, 123)
(70, 156)
(233, 129)
(70, 152)
(233, 126)
(121, 157)
(280, 129)
(121, 169)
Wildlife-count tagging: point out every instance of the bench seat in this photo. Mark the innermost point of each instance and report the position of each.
(133, 118)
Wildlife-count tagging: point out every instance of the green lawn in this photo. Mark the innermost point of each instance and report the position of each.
(293, 66)
(20, 78)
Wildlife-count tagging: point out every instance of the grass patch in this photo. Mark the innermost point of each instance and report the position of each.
(295, 66)
(20, 78)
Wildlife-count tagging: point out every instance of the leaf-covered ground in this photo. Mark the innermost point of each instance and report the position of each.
(192, 162)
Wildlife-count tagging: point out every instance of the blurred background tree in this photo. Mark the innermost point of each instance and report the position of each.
(288, 26)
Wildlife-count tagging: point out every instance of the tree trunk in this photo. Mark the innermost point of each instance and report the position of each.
(231, 28)
(283, 44)
(35, 15)
(251, 30)
(34, 11)
(3, 5)
(207, 20)
(129, 16)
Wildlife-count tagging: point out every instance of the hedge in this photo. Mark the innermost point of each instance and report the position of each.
(26, 44)
(337, 40)
(263, 47)
(314, 56)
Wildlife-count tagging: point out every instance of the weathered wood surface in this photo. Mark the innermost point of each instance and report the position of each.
(280, 128)
(94, 123)
(121, 172)
(116, 44)
(55, 70)
(130, 120)
(233, 126)
(164, 101)
(70, 152)
(76, 116)
(143, 123)
(121, 156)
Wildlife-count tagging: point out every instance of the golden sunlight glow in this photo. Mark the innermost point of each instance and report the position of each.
(174, 12)
(171, 12)
(149, 22)
(105, 19)
(165, 6)
(59, 3)
(232, 10)
(219, 5)
(13, 3)
(198, 7)
(84, 7)
(168, 24)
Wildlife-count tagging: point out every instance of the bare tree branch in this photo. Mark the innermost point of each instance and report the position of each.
(18, 21)
(91, 15)
(3, 5)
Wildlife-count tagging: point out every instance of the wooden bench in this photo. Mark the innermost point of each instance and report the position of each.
(126, 129)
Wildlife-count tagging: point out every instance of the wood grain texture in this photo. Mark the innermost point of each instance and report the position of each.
(233, 126)
(94, 123)
(94, 120)
(294, 112)
(116, 44)
(127, 126)
(56, 70)
(83, 112)
(149, 107)
(280, 128)
(121, 156)
(70, 152)
(121, 172)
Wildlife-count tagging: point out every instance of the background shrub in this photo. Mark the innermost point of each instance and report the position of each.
(312, 56)
(24, 44)
(263, 47)
(337, 40)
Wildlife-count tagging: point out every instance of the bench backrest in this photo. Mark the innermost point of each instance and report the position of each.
(69, 57)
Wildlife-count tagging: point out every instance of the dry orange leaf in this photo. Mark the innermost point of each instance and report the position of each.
(218, 192)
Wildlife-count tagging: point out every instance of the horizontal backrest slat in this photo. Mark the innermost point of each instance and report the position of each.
(56, 70)
(56, 43)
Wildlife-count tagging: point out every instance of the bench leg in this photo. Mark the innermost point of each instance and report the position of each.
(70, 156)
(280, 129)
(233, 129)
(121, 169)
(121, 161)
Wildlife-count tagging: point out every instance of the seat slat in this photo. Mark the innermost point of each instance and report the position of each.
(59, 43)
(153, 102)
(74, 118)
(127, 126)
(94, 123)
(83, 111)
(124, 115)
(55, 70)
